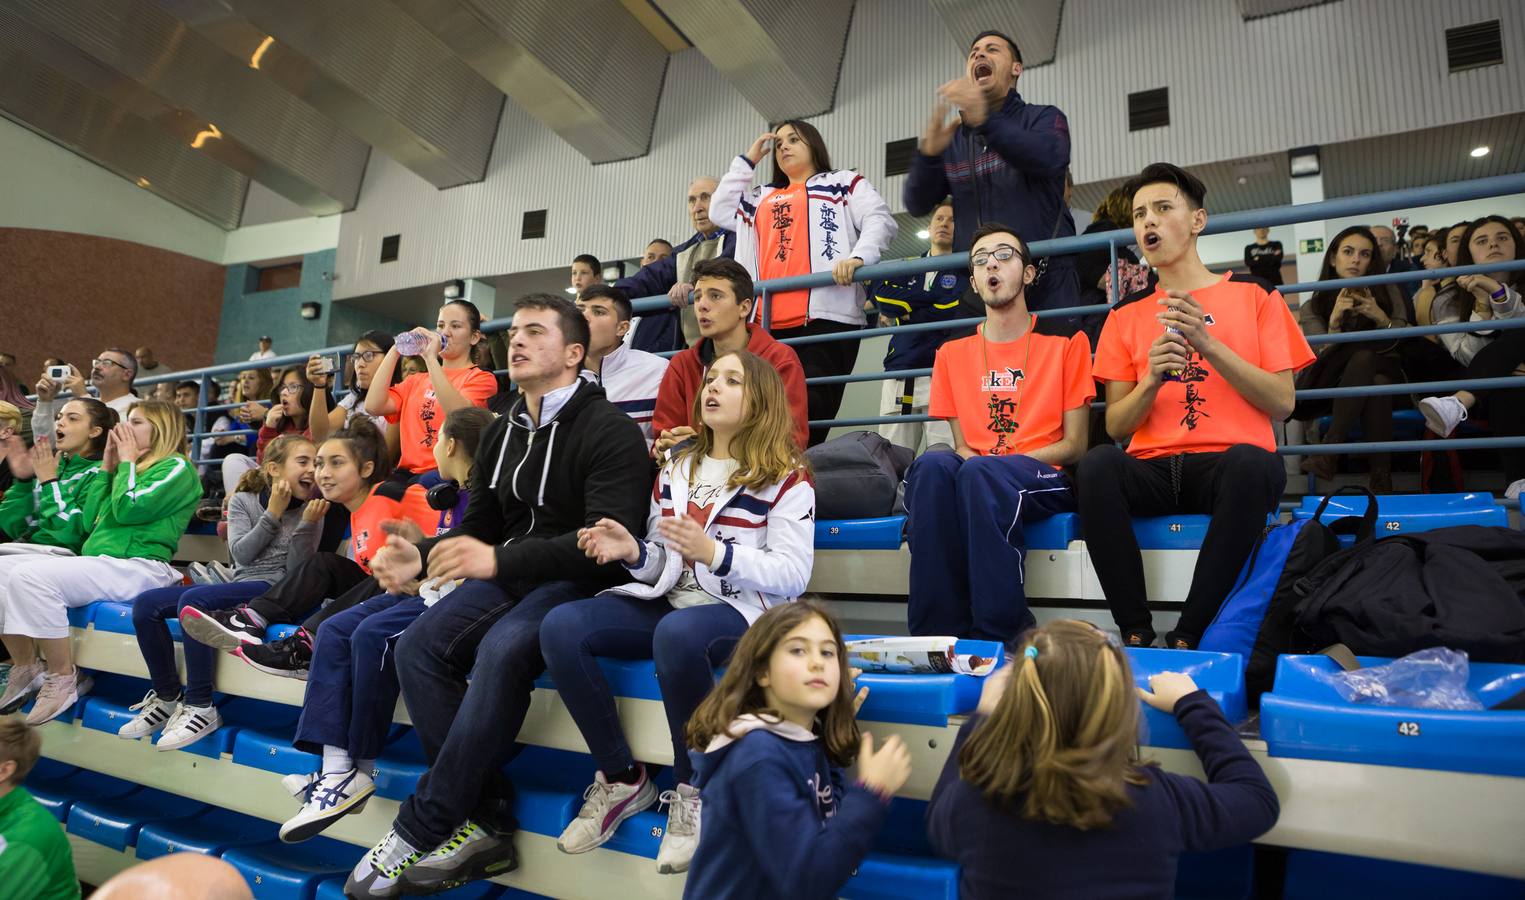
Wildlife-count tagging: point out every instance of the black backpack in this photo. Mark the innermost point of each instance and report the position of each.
(1461, 587)
(857, 476)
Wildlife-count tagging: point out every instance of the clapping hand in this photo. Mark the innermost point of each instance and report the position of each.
(886, 770)
(969, 98)
(687, 537)
(396, 563)
(942, 124)
(607, 541)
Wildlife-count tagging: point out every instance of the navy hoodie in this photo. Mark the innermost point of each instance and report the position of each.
(1005, 855)
(778, 821)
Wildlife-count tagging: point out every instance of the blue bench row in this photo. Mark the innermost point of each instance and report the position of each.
(1396, 513)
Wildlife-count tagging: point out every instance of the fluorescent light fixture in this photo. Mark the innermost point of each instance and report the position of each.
(1480, 152)
(259, 52)
(144, 182)
(923, 234)
(201, 137)
(1303, 161)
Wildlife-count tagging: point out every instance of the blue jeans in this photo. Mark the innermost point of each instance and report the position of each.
(686, 644)
(150, 614)
(469, 731)
(352, 681)
(967, 543)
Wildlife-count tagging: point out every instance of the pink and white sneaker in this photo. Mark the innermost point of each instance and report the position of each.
(604, 807)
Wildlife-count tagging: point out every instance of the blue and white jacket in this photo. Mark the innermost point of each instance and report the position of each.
(766, 538)
(631, 379)
(847, 218)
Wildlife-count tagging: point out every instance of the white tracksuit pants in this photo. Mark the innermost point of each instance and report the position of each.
(37, 591)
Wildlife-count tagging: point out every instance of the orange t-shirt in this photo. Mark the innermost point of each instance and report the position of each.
(1201, 412)
(1011, 397)
(783, 249)
(365, 534)
(418, 414)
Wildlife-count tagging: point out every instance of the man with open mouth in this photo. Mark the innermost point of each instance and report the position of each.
(1003, 160)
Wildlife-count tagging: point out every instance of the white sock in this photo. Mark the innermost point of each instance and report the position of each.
(336, 760)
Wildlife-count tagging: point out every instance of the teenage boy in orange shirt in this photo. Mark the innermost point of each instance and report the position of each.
(1196, 367)
(1017, 403)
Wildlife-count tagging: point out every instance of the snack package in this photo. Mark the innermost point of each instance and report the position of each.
(935, 655)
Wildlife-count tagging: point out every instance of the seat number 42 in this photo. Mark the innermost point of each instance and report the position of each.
(1408, 729)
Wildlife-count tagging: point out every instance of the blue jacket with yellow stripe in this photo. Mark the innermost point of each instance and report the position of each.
(913, 299)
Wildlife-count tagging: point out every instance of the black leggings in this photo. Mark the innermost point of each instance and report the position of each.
(823, 358)
(302, 591)
(1505, 408)
(1366, 367)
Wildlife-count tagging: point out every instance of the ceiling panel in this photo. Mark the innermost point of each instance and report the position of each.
(289, 146)
(585, 68)
(1033, 24)
(370, 68)
(1255, 9)
(1425, 157)
(784, 56)
(69, 114)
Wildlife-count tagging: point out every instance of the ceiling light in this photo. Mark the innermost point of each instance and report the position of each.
(1480, 152)
(923, 234)
(1243, 180)
(144, 182)
(259, 52)
(201, 137)
(1303, 161)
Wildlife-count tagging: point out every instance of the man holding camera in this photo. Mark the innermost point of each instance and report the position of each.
(111, 374)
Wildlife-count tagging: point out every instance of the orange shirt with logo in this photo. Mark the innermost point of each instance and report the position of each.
(1010, 397)
(1201, 412)
(783, 249)
(365, 534)
(419, 416)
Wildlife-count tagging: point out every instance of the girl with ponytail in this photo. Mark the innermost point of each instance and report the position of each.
(275, 522)
(1045, 782)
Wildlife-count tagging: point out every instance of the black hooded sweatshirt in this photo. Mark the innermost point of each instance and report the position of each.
(532, 488)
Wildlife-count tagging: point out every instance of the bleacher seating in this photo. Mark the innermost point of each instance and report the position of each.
(1304, 717)
(1408, 513)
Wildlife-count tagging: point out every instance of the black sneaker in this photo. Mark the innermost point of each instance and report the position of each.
(472, 853)
(1138, 637)
(288, 657)
(225, 629)
(1180, 640)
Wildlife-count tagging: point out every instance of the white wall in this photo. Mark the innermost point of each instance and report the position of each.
(1237, 89)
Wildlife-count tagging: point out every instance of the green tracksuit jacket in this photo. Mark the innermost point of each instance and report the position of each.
(145, 512)
(58, 513)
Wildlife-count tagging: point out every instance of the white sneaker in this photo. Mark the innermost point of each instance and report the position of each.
(24, 683)
(189, 725)
(58, 695)
(297, 785)
(378, 872)
(152, 714)
(681, 838)
(330, 798)
(1513, 491)
(604, 807)
(1442, 414)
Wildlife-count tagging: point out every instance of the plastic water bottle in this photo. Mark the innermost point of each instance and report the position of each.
(411, 343)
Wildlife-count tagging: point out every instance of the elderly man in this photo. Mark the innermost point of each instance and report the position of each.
(111, 376)
(657, 332)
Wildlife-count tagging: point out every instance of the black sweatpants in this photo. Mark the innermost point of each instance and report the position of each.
(302, 591)
(1237, 487)
(824, 358)
(1505, 408)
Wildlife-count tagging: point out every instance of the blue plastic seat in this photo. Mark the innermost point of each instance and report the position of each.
(80, 616)
(1408, 513)
(886, 875)
(59, 792)
(924, 699)
(115, 822)
(277, 632)
(1220, 674)
(277, 871)
(211, 833)
(1306, 718)
(109, 710)
(267, 744)
(333, 889)
(1408, 425)
(1053, 533)
(1178, 532)
(116, 617)
(881, 533)
(905, 829)
(1315, 875)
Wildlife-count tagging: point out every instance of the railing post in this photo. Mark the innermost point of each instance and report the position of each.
(201, 417)
(1111, 267)
(767, 311)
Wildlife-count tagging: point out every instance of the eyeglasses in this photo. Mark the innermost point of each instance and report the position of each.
(97, 363)
(1002, 253)
(291, 387)
(368, 356)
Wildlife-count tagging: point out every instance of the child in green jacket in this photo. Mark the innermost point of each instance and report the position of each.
(153, 492)
(35, 860)
(59, 484)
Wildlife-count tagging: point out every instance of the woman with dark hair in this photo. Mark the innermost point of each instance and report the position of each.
(807, 218)
(370, 349)
(1486, 354)
(289, 408)
(1353, 254)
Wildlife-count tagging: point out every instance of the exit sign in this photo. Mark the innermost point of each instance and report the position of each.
(1311, 245)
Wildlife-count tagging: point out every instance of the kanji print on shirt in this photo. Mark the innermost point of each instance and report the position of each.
(1001, 407)
(781, 212)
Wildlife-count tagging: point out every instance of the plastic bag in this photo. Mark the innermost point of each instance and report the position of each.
(1435, 678)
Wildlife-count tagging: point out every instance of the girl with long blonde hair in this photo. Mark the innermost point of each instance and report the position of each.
(730, 534)
(153, 491)
(1045, 779)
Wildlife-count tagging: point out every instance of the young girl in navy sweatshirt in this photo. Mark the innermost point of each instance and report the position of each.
(1044, 781)
(780, 819)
